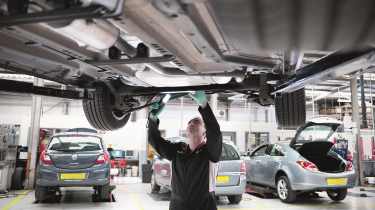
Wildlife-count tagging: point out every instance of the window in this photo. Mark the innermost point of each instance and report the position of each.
(255, 114)
(255, 139)
(117, 154)
(229, 136)
(129, 153)
(315, 133)
(229, 153)
(75, 143)
(269, 149)
(276, 150)
(260, 152)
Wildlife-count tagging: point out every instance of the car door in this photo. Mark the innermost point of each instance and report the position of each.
(166, 172)
(162, 170)
(264, 165)
(271, 163)
(156, 169)
(229, 167)
(256, 157)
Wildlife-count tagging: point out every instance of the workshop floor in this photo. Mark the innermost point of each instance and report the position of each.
(130, 194)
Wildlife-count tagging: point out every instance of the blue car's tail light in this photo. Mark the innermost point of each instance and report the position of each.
(349, 166)
(102, 159)
(45, 159)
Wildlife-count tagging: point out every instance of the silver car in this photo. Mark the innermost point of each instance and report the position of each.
(73, 159)
(230, 180)
(307, 164)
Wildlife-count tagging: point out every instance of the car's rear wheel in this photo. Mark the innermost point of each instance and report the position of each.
(41, 194)
(284, 191)
(337, 195)
(234, 199)
(155, 188)
(104, 193)
(45, 194)
(291, 109)
(101, 112)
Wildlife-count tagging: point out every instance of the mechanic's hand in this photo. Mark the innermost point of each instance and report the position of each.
(200, 98)
(156, 109)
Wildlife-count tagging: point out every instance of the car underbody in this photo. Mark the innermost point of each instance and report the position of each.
(118, 55)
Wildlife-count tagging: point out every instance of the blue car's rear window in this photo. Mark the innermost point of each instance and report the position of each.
(75, 143)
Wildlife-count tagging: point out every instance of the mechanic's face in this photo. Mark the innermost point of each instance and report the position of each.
(195, 132)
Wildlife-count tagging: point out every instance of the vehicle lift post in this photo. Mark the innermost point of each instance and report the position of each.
(33, 142)
(356, 119)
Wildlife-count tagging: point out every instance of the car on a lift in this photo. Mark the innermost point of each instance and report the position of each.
(230, 180)
(308, 164)
(73, 160)
(117, 55)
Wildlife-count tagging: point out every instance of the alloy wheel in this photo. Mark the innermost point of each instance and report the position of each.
(282, 189)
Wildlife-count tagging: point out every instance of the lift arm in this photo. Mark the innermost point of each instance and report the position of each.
(343, 62)
(29, 88)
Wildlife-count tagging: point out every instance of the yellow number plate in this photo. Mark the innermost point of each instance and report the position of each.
(337, 181)
(222, 179)
(73, 176)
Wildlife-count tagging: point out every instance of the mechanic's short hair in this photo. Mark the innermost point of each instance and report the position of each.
(196, 119)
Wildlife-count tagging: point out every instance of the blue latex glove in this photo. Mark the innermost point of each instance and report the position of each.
(156, 109)
(200, 98)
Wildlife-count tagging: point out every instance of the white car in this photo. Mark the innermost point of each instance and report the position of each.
(230, 181)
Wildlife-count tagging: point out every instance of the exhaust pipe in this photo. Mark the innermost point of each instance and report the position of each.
(96, 34)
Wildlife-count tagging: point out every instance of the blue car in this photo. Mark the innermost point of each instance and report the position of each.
(73, 160)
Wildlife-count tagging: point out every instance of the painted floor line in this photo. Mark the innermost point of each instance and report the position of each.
(15, 200)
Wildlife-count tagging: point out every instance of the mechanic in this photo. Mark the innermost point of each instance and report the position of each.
(194, 165)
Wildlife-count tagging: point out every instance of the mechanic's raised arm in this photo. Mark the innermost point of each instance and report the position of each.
(163, 147)
(213, 133)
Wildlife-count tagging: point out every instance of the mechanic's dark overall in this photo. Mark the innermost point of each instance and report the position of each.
(190, 169)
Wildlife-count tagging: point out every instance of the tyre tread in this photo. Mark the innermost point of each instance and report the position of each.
(99, 113)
